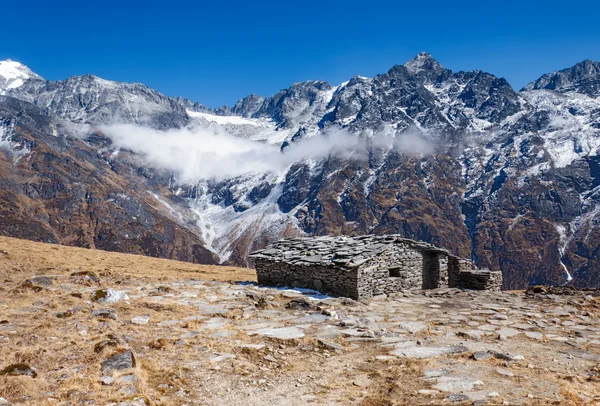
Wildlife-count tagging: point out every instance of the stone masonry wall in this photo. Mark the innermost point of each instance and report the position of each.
(399, 268)
(480, 279)
(329, 280)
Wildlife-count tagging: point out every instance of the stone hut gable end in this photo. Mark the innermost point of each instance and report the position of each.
(365, 266)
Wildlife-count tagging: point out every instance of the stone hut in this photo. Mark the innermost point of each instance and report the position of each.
(366, 266)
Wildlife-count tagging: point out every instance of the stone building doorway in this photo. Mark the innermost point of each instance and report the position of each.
(431, 270)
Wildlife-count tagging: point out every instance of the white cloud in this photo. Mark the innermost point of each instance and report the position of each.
(212, 153)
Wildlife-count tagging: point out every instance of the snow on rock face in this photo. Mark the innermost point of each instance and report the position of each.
(13, 75)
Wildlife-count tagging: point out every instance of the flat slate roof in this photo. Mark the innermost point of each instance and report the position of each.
(341, 251)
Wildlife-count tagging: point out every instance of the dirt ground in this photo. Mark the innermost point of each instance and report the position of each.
(207, 335)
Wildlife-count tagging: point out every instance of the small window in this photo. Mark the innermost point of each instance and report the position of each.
(394, 271)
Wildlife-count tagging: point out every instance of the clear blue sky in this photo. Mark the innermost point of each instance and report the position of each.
(219, 51)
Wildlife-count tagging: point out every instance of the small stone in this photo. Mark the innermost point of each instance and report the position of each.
(4, 402)
(471, 334)
(87, 277)
(141, 320)
(330, 345)
(508, 332)
(283, 333)
(42, 281)
(270, 358)
(493, 395)
(105, 314)
(362, 381)
(128, 391)
(112, 341)
(414, 327)
(507, 356)
(118, 362)
(457, 397)
(107, 380)
(221, 356)
(428, 352)
(109, 296)
(505, 372)
(254, 347)
(429, 392)
(481, 356)
(534, 335)
(131, 378)
(19, 370)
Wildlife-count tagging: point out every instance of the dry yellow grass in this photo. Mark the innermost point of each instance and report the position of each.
(30, 257)
(45, 343)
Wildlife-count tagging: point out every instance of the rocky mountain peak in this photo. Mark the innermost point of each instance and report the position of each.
(583, 77)
(248, 106)
(13, 74)
(423, 62)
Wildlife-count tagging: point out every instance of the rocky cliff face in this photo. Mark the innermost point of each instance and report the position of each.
(507, 178)
(59, 189)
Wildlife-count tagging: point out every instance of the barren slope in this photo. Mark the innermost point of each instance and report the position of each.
(193, 335)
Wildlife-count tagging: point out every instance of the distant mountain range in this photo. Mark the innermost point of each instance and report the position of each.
(509, 178)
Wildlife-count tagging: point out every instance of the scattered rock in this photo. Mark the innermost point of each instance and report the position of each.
(457, 398)
(105, 313)
(221, 356)
(119, 362)
(37, 284)
(270, 358)
(508, 332)
(428, 352)
(507, 357)
(44, 281)
(283, 333)
(101, 345)
(330, 345)
(299, 303)
(353, 332)
(362, 381)
(141, 320)
(471, 334)
(107, 380)
(255, 347)
(534, 335)
(414, 327)
(505, 372)
(85, 277)
(19, 370)
(481, 356)
(428, 392)
(109, 295)
(456, 384)
(131, 378)
(4, 402)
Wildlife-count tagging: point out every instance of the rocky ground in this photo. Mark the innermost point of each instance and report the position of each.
(82, 327)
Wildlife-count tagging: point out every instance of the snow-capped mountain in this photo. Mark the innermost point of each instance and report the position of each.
(509, 178)
(13, 75)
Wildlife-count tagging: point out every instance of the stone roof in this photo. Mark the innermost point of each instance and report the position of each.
(342, 251)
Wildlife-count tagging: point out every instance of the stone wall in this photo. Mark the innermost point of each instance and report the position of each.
(480, 279)
(400, 267)
(325, 279)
